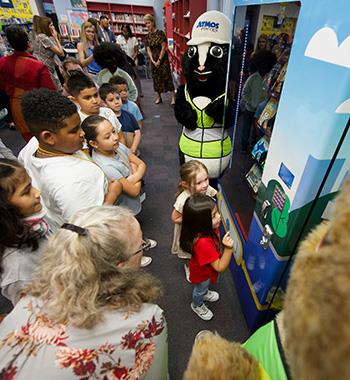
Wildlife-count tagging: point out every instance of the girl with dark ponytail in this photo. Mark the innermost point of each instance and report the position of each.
(22, 226)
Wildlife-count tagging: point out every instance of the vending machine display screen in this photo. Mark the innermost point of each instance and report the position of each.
(286, 175)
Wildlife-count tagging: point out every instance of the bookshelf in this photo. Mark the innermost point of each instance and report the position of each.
(183, 13)
(120, 14)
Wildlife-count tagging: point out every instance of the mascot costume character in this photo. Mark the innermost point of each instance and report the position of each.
(199, 105)
(310, 338)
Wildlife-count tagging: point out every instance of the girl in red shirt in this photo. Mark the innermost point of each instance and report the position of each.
(200, 237)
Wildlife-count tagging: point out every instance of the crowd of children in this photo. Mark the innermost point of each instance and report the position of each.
(85, 152)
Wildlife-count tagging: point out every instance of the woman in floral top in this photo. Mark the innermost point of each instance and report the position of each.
(89, 312)
(47, 47)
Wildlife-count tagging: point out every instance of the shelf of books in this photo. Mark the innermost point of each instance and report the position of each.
(120, 14)
(184, 14)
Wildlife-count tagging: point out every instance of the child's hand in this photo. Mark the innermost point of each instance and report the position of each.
(227, 240)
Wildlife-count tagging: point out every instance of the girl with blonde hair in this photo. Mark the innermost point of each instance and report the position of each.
(85, 47)
(89, 311)
(193, 179)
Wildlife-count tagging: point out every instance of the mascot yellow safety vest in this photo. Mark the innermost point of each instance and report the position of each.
(208, 141)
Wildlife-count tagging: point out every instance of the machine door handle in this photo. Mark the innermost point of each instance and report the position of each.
(266, 236)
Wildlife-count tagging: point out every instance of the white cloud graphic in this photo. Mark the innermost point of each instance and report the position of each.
(324, 47)
(344, 107)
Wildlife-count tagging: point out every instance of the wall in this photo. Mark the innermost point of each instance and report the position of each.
(61, 7)
(37, 7)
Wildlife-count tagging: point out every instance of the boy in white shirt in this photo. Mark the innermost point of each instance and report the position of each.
(84, 93)
(67, 178)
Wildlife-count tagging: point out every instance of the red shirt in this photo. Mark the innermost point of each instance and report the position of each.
(205, 251)
(23, 71)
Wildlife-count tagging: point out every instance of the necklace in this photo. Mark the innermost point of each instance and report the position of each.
(56, 154)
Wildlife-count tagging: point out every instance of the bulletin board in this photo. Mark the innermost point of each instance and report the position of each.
(19, 9)
(269, 27)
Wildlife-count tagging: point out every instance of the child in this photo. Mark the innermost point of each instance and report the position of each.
(23, 229)
(128, 105)
(129, 124)
(114, 61)
(85, 94)
(69, 67)
(117, 162)
(68, 179)
(200, 237)
(193, 179)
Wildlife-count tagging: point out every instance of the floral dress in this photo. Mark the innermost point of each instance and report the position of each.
(42, 45)
(126, 346)
(162, 80)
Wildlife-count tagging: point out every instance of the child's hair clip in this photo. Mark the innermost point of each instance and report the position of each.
(72, 227)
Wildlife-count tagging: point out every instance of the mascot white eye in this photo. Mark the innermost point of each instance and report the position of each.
(216, 51)
(191, 52)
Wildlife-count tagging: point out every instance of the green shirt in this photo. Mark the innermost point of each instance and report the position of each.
(265, 346)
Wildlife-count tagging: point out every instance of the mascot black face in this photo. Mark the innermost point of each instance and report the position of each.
(208, 80)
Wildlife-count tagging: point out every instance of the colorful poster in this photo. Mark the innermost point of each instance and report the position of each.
(270, 26)
(77, 18)
(20, 9)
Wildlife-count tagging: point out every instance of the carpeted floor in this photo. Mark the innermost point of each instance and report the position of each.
(159, 150)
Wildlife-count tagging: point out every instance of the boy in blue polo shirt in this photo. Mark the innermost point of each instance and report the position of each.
(130, 128)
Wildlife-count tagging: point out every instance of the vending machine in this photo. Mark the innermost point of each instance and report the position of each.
(269, 206)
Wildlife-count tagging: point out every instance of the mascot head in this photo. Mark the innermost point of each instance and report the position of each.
(205, 62)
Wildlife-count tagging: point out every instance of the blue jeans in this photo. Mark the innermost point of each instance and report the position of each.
(199, 291)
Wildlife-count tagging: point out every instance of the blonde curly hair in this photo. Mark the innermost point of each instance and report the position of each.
(78, 277)
(215, 358)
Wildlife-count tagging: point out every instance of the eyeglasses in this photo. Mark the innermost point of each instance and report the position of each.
(145, 246)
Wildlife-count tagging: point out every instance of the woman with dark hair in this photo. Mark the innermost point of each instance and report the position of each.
(156, 44)
(114, 61)
(254, 93)
(129, 44)
(21, 72)
(47, 47)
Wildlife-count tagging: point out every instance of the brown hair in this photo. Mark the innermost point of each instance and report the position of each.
(43, 26)
(14, 231)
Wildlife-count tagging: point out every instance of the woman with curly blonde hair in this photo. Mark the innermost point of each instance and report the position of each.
(89, 312)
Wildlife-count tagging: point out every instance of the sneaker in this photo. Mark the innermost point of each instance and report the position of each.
(187, 273)
(145, 261)
(211, 296)
(153, 243)
(202, 312)
(142, 195)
